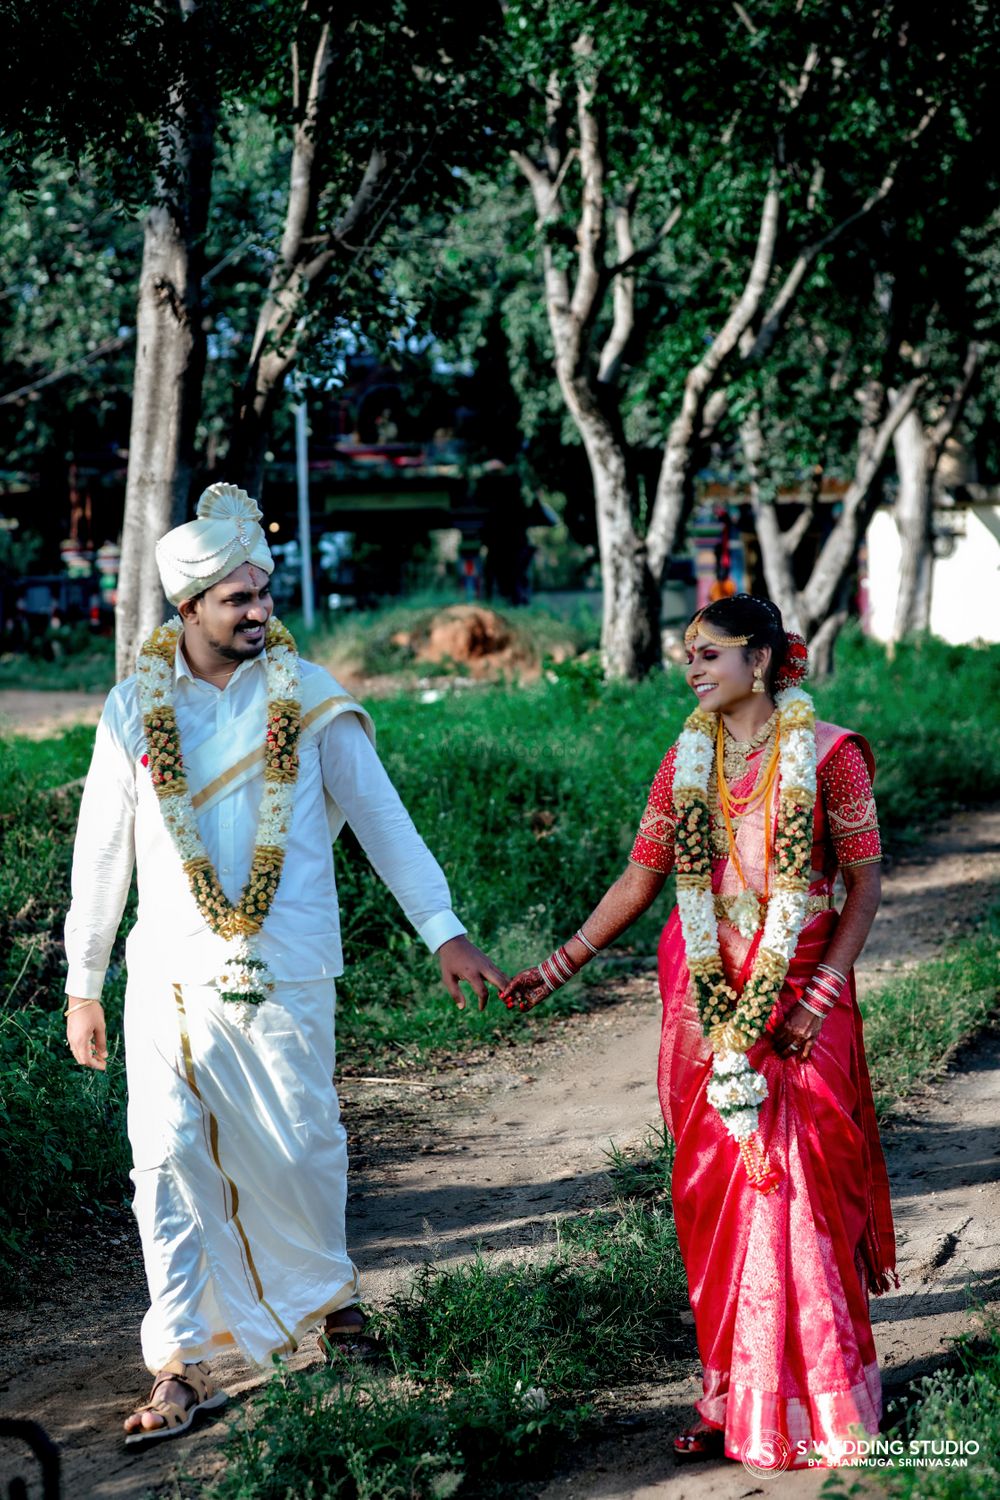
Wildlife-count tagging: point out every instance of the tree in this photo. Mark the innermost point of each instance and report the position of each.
(382, 98)
(821, 109)
(902, 323)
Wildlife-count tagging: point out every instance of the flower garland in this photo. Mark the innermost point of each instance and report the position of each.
(246, 980)
(731, 1022)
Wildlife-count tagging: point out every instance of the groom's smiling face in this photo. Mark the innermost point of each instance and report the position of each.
(231, 617)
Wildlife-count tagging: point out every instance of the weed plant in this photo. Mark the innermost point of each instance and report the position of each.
(63, 1129)
(914, 1023)
(492, 1365)
(961, 1403)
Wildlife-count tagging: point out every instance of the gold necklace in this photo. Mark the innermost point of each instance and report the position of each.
(738, 752)
(735, 767)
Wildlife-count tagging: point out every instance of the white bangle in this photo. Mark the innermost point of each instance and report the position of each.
(835, 972)
(585, 940)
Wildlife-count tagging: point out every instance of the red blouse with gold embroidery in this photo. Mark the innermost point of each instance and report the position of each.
(654, 843)
(846, 823)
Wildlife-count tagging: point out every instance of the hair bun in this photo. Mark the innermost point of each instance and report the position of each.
(795, 665)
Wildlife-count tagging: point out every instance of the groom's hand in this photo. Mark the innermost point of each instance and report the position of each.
(462, 961)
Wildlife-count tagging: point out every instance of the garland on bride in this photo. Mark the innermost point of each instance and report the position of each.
(246, 980)
(733, 1023)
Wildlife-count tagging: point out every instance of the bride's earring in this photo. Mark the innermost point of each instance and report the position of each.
(758, 681)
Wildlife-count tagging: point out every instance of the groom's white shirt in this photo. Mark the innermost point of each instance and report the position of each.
(340, 775)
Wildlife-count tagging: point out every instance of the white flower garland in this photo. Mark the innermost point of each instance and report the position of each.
(246, 981)
(732, 1024)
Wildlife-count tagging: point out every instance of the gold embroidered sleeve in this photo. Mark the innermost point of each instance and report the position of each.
(851, 814)
(654, 842)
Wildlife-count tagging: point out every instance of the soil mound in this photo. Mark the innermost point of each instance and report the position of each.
(473, 637)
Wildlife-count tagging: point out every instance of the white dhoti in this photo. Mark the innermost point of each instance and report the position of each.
(239, 1166)
(239, 1156)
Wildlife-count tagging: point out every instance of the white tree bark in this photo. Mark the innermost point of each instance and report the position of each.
(912, 513)
(819, 597)
(685, 435)
(818, 612)
(918, 452)
(776, 551)
(630, 630)
(304, 260)
(169, 363)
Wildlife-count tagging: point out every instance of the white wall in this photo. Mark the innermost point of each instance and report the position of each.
(965, 600)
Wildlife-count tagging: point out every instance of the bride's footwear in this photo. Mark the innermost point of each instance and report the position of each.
(700, 1441)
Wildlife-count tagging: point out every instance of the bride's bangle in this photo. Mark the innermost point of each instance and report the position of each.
(559, 968)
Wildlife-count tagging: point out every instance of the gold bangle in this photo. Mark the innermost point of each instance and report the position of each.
(79, 1006)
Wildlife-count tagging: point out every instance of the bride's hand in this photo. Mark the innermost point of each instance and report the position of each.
(525, 990)
(797, 1033)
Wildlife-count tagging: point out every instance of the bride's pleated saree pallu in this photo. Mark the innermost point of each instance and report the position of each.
(779, 1281)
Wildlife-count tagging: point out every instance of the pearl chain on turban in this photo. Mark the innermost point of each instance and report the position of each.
(227, 533)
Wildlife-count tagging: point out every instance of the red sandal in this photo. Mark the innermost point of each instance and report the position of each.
(700, 1441)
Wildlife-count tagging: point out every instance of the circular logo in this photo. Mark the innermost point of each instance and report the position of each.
(765, 1451)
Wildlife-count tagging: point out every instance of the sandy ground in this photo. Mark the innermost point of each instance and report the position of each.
(37, 715)
(489, 1156)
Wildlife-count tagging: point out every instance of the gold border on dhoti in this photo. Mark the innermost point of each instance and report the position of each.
(232, 1210)
(256, 756)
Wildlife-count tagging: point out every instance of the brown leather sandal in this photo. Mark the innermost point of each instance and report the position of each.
(700, 1442)
(348, 1341)
(176, 1419)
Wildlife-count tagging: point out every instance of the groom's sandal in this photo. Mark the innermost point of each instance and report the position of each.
(176, 1419)
(340, 1340)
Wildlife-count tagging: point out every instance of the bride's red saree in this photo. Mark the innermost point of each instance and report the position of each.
(779, 1283)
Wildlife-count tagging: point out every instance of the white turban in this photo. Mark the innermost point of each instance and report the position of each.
(226, 535)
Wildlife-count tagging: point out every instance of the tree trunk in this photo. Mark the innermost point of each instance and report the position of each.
(838, 553)
(630, 626)
(774, 550)
(822, 644)
(169, 363)
(630, 623)
(913, 513)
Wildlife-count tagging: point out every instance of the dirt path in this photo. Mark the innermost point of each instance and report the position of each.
(489, 1155)
(39, 714)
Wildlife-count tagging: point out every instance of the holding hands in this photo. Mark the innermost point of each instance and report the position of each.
(532, 985)
(462, 962)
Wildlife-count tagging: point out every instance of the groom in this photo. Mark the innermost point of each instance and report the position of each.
(222, 770)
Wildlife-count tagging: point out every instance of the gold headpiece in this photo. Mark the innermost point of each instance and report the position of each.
(712, 633)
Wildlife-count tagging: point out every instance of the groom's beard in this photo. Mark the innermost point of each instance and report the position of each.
(239, 648)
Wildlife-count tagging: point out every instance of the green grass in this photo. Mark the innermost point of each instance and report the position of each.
(931, 1009)
(958, 1403)
(490, 1365)
(530, 797)
(70, 660)
(385, 641)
